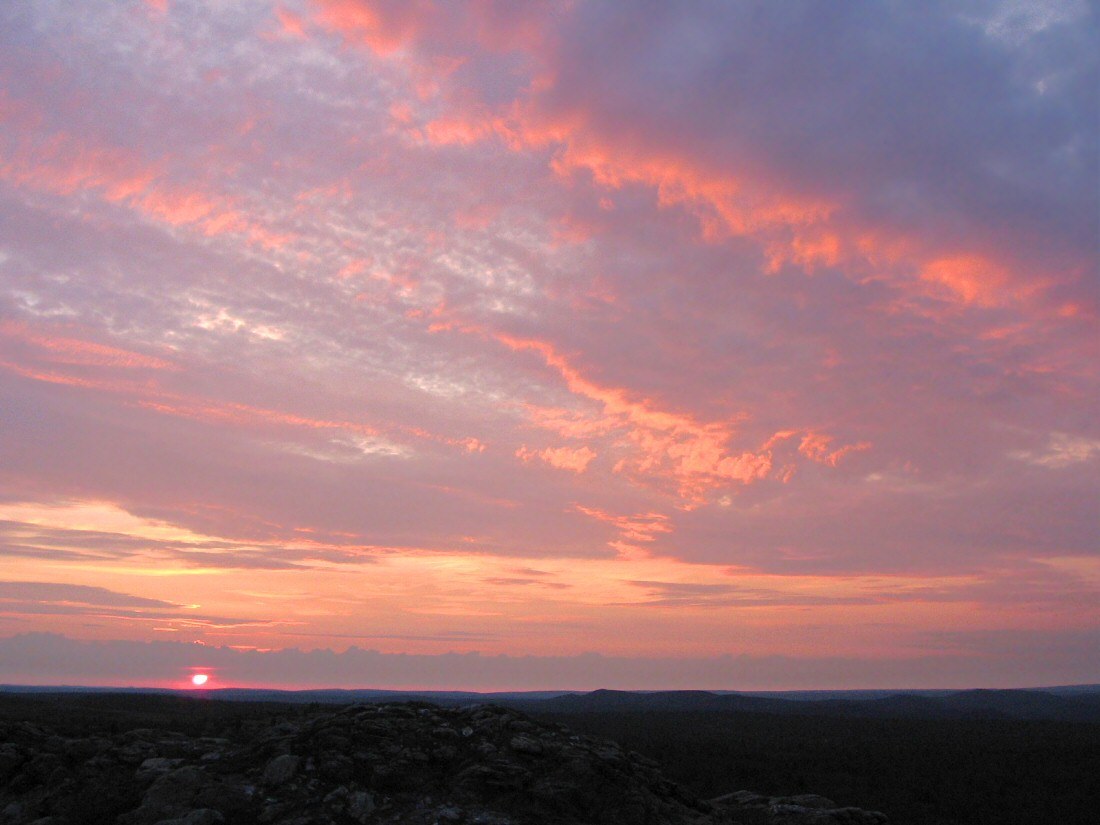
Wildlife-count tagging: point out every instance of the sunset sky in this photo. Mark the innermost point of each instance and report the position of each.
(499, 345)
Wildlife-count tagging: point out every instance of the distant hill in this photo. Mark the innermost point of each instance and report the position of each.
(967, 704)
(1073, 703)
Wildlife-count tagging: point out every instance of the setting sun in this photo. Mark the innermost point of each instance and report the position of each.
(200, 679)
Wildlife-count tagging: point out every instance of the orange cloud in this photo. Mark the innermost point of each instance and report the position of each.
(448, 131)
(671, 450)
(246, 415)
(972, 279)
(292, 24)
(808, 249)
(564, 458)
(725, 204)
(63, 379)
(382, 27)
(792, 228)
(815, 446)
(694, 456)
(632, 532)
(469, 443)
(61, 164)
(65, 350)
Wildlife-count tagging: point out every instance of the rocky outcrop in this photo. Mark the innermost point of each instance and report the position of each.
(398, 763)
(804, 809)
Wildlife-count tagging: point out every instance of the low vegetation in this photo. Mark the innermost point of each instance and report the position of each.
(917, 771)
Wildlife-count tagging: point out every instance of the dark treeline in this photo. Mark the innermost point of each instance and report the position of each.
(918, 771)
(82, 714)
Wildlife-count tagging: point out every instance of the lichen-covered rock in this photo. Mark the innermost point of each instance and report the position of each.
(390, 764)
(281, 769)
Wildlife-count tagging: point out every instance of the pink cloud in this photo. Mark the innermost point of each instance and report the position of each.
(64, 165)
(576, 459)
(816, 447)
(382, 25)
(62, 349)
(62, 359)
(291, 23)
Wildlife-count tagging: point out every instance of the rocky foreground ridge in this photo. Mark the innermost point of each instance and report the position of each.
(394, 763)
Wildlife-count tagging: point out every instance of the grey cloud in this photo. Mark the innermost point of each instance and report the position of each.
(949, 523)
(680, 594)
(909, 109)
(19, 598)
(79, 593)
(525, 581)
(175, 618)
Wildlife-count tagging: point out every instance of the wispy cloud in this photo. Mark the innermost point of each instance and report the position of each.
(22, 599)
(53, 592)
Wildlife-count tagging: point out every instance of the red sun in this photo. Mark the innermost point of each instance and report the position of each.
(200, 679)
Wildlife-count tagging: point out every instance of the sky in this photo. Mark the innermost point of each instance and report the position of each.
(562, 345)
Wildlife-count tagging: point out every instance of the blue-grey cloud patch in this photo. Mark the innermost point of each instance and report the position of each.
(912, 110)
(687, 594)
(21, 599)
(527, 581)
